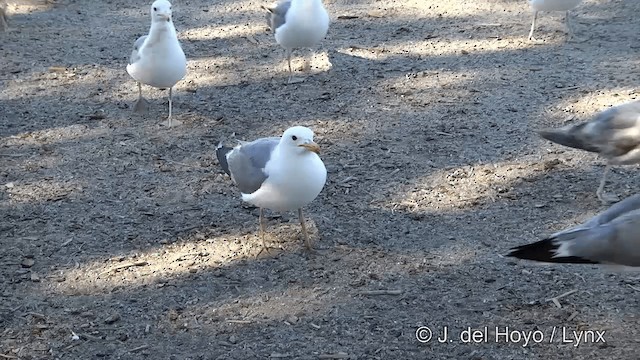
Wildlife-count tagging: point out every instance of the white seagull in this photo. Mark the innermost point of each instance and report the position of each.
(552, 5)
(298, 24)
(613, 134)
(157, 59)
(281, 174)
(611, 237)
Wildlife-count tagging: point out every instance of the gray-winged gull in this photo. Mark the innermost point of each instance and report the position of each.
(552, 5)
(614, 134)
(281, 174)
(298, 24)
(157, 59)
(611, 237)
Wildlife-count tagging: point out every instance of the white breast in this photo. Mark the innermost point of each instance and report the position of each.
(305, 26)
(291, 184)
(162, 63)
(553, 5)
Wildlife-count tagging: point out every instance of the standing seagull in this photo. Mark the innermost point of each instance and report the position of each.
(614, 134)
(298, 24)
(611, 237)
(281, 174)
(157, 59)
(552, 5)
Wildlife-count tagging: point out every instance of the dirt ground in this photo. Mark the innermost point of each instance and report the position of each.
(122, 239)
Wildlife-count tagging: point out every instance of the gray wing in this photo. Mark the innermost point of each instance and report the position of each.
(611, 237)
(276, 15)
(630, 204)
(617, 242)
(613, 133)
(136, 46)
(247, 162)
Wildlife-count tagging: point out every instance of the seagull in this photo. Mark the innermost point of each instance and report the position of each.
(611, 237)
(157, 59)
(298, 24)
(281, 174)
(614, 134)
(552, 5)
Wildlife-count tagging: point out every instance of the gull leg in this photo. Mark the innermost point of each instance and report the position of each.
(141, 105)
(288, 53)
(306, 66)
(533, 25)
(3, 17)
(307, 243)
(605, 199)
(170, 121)
(569, 29)
(265, 248)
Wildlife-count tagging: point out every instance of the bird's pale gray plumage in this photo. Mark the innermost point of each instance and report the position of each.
(613, 133)
(136, 46)
(246, 162)
(276, 15)
(616, 210)
(611, 237)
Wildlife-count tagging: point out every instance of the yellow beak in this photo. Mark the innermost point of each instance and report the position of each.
(311, 147)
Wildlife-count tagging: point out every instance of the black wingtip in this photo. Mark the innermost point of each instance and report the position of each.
(221, 154)
(544, 251)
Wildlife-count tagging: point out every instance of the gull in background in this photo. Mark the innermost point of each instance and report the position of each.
(611, 237)
(552, 5)
(281, 174)
(298, 24)
(157, 59)
(614, 134)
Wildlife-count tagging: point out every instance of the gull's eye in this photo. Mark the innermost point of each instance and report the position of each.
(294, 138)
(170, 7)
(155, 9)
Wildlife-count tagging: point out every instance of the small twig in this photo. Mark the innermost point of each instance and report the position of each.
(89, 337)
(566, 88)
(442, 133)
(141, 347)
(12, 155)
(74, 344)
(347, 179)
(381, 292)
(179, 163)
(394, 172)
(633, 287)
(125, 266)
(233, 321)
(8, 356)
(185, 229)
(36, 315)
(339, 355)
(66, 243)
(556, 298)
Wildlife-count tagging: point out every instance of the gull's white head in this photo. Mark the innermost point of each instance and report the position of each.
(299, 139)
(161, 11)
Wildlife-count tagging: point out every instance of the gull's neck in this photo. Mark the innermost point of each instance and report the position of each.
(161, 30)
(307, 4)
